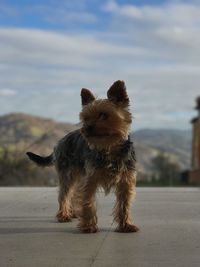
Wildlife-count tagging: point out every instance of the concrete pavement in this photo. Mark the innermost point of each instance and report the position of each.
(169, 221)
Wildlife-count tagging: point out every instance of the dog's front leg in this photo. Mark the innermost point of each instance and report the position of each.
(88, 217)
(125, 191)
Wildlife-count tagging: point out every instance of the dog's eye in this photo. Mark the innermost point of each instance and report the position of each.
(103, 116)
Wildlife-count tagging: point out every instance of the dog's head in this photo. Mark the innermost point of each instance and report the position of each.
(106, 122)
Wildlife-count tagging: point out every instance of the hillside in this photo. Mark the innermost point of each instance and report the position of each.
(175, 143)
(21, 132)
(25, 131)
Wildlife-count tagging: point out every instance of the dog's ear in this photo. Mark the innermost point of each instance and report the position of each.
(86, 96)
(117, 93)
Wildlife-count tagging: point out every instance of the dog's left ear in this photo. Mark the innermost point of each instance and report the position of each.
(86, 96)
(117, 93)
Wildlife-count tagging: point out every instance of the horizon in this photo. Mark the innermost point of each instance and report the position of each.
(132, 130)
(50, 50)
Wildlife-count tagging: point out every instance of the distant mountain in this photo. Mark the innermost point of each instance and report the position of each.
(24, 132)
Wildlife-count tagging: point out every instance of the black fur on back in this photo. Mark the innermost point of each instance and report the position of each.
(73, 151)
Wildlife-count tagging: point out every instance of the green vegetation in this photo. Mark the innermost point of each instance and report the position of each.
(21, 132)
(166, 172)
(17, 170)
(36, 131)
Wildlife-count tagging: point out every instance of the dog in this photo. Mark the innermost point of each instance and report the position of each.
(99, 154)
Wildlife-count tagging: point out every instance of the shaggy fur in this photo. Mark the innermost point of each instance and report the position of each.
(100, 154)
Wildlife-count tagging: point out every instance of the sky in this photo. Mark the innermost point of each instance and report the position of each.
(51, 49)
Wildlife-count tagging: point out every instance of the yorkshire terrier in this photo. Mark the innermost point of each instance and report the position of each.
(100, 154)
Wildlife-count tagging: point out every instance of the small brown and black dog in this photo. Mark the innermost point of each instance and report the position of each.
(100, 154)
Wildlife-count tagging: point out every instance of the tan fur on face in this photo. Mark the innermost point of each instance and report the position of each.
(107, 132)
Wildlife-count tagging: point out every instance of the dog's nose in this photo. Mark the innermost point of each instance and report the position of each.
(90, 129)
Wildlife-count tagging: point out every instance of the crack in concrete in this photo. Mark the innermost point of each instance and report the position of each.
(100, 246)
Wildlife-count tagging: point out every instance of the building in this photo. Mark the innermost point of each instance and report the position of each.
(194, 174)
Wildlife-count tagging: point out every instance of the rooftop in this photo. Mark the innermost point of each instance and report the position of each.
(169, 221)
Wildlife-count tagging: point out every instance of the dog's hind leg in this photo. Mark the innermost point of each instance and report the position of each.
(66, 183)
(88, 217)
(76, 199)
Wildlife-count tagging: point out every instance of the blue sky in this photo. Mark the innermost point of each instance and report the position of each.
(36, 14)
(50, 49)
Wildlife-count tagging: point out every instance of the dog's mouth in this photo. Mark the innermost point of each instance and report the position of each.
(100, 135)
(92, 134)
(103, 135)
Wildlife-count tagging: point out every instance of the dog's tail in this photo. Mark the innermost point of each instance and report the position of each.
(41, 161)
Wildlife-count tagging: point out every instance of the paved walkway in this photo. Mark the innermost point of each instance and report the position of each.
(169, 220)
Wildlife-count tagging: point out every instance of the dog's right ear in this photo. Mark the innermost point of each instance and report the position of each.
(86, 96)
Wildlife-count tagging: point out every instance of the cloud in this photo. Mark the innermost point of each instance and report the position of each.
(46, 47)
(175, 39)
(7, 92)
(158, 57)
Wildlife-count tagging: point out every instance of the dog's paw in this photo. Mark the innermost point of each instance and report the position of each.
(127, 228)
(61, 217)
(89, 229)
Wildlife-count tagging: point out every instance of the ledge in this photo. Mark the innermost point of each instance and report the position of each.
(169, 221)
